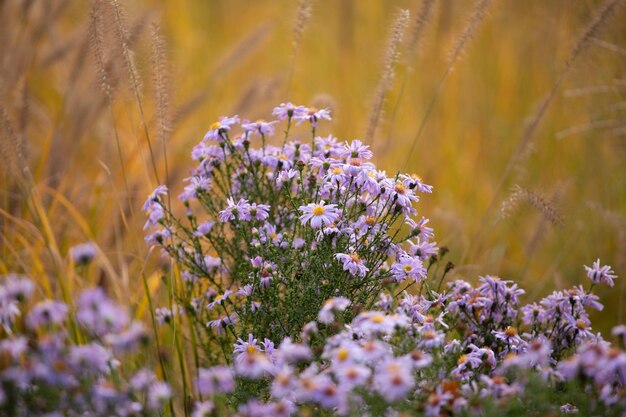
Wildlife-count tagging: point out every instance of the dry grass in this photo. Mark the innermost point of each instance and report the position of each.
(100, 102)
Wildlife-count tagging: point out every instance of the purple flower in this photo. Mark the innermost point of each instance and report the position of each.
(258, 212)
(420, 229)
(436, 401)
(352, 263)
(158, 393)
(154, 198)
(216, 380)
(604, 274)
(313, 115)
(129, 339)
(403, 196)
(92, 359)
(352, 375)
(408, 267)
(511, 338)
(620, 333)
(252, 364)
(204, 228)
(285, 176)
(219, 300)
(372, 322)
(326, 393)
(158, 237)
(356, 149)
(538, 352)
(240, 210)
(203, 409)
(98, 314)
(46, 313)
(17, 287)
(14, 347)
(153, 207)
(9, 309)
(385, 302)
(291, 353)
(218, 130)
(260, 127)
(196, 184)
(245, 347)
(288, 111)
(532, 314)
(393, 379)
(245, 291)
(84, 253)
(163, 315)
(318, 213)
(326, 314)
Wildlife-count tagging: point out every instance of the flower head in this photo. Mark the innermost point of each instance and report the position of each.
(83, 254)
(598, 274)
(319, 213)
(218, 130)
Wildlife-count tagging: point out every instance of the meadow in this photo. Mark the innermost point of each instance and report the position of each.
(513, 111)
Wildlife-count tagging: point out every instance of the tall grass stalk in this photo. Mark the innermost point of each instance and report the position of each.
(303, 15)
(479, 13)
(416, 35)
(122, 35)
(599, 22)
(391, 57)
(96, 39)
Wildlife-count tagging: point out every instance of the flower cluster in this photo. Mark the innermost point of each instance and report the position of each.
(448, 353)
(294, 267)
(55, 361)
(272, 231)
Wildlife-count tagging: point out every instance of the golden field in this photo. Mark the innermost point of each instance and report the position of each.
(528, 205)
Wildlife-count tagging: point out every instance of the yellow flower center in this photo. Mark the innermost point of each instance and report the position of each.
(408, 268)
(282, 379)
(581, 324)
(337, 171)
(462, 359)
(400, 188)
(352, 373)
(343, 354)
(378, 319)
(250, 349)
(318, 210)
(370, 220)
(393, 367)
(216, 126)
(510, 331)
(355, 257)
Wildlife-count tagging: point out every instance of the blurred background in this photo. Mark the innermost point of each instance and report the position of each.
(94, 94)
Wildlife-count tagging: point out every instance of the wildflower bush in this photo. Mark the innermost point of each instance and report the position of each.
(295, 277)
(59, 361)
(303, 282)
(273, 231)
(312, 289)
(472, 350)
